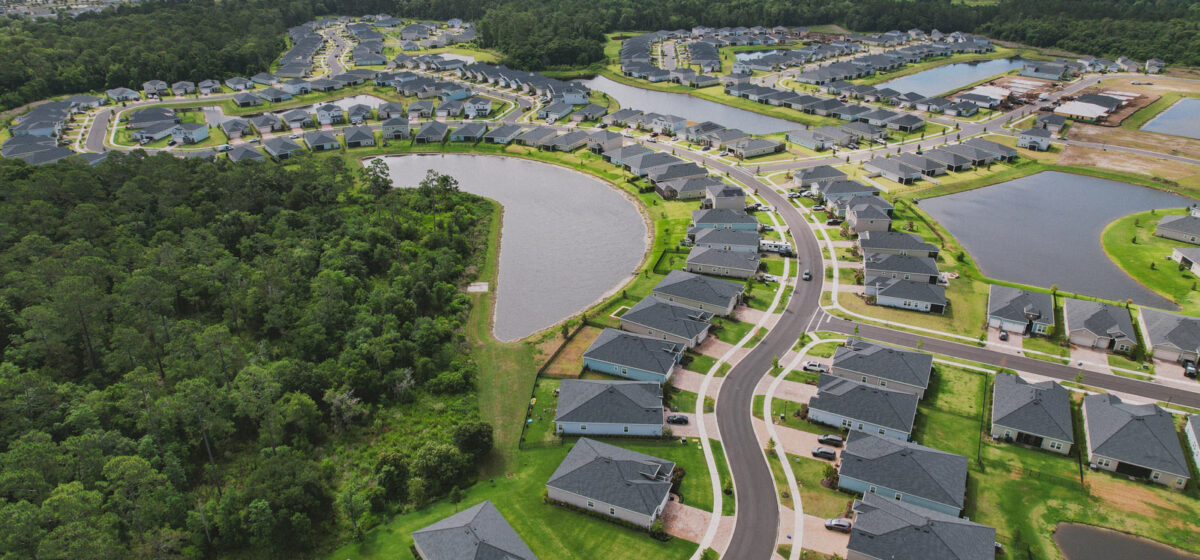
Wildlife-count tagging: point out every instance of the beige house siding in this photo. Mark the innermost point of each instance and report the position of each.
(714, 309)
(999, 431)
(875, 380)
(603, 508)
(640, 329)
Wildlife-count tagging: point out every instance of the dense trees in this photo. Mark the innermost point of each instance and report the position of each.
(194, 350)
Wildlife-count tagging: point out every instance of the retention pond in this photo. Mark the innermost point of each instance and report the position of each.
(1180, 119)
(689, 107)
(1085, 542)
(945, 79)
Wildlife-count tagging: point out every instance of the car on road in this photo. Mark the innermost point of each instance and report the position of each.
(838, 524)
(831, 439)
(1189, 368)
(252, 141)
(294, 136)
(806, 276)
(816, 366)
(677, 419)
(723, 154)
(824, 453)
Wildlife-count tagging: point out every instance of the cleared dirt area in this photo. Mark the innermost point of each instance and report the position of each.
(1153, 141)
(570, 361)
(1187, 176)
(1150, 85)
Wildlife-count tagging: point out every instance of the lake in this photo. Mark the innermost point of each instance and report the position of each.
(1085, 542)
(950, 77)
(1180, 119)
(567, 240)
(689, 107)
(1044, 229)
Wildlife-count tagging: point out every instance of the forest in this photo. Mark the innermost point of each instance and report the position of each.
(211, 359)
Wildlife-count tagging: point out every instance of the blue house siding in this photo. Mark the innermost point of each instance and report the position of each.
(855, 485)
(622, 371)
(830, 419)
(598, 429)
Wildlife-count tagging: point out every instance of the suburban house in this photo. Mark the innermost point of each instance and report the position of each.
(909, 295)
(1093, 324)
(728, 240)
(612, 481)
(857, 406)
(868, 213)
(893, 169)
(281, 148)
(904, 472)
(189, 133)
(1184, 228)
(602, 141)
(246, 99)
(884, 526)
(667, 173)
(622, 156)
(395, 128)
(816, 177)
(590, 112)
(433, 132)
(274, 95)
(633, 356)
(476, 107)
(609, 408)
(1034, 139)
(1187, 257)
(700, 292)
(845, 189)
(719, 262)
(266, 123)
(359, 137)
(1169, 336)
(721, 218)
(687, 189)
(554, 112)
(470, 132)
(329, 114)
(122, 94)
(476, 532)
(358, 113)
(1034, 414)
(321, 140)
(902, 267)
(244, 153)
(155, 88)
(183, 87)
(1019, 311)
(754, 147)
(1137, 440)
(885, 366)
(650, 161)
(724, 195)
(675, 322)
(238, 83)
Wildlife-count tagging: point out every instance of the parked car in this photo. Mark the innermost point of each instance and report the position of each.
(818, 208)
(1189, 368)
(824, 453)
(252, 140)
(770, 278)
(838, 524)
(705, 148)
(794, 195)
(831, 439)
(1004, 335)
(833, 221)
(806, 276)
(171, 143)
(677, 419)
(816, 366)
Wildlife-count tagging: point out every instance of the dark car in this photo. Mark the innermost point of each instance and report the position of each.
(830, 439)
(833, 221)
(838, 524)
(677, 419)
(824, 453)
(1189, 368)
(1004, 335)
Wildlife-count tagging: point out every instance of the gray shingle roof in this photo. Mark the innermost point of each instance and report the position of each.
(607, 473)
(868, 403)
(738, 260)
(683, 284)
(885, 362)
(1019, 305)
(728, 237)
(244, 152)
(908, 468)
(1189, 224)
(1101, 319)
(1042, 409)
(722, 216)
(890, 262)
(609, 402)
(1170, 329)
(1139, 434)
(885, 528)
(476, 533)
(668, 317)
(1000, 150)
(908, 289)
(635, 351)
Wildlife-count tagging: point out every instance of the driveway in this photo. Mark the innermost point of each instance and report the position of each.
(1088, 355)
(820, 539)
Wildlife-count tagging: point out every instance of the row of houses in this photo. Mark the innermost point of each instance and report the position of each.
(549, 89)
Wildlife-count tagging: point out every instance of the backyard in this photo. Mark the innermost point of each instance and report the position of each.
(1137, 259)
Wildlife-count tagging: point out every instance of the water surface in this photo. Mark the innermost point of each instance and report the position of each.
(1085, 542)
(567, 239)
(950, 77)
(1045, 229)
(689, 107)
(1180, 119)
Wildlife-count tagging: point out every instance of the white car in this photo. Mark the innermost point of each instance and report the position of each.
(770, 278)
(816, 367)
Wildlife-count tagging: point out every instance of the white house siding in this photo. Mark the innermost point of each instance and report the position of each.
(831, 419)
(597, 429)
(1084, 337)
(1177, 235)
(859, 226)
(728, 203)
(1193, 442)
(642, 329)
(1166, 479)
(901, 303)
(875, 380)
(719, 271)
(1011, 326)
(714, 309)
(1171, 354)
(999, 431)
(620, 513)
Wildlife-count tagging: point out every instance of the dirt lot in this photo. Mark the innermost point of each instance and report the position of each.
(1187, 176)
(1162, 143)
(1131, 106)
(1022, 86)
(570, 362)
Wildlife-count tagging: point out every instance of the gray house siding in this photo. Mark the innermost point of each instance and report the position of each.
(610, 510)
(831, 419)
(861, 487)
(600, 429)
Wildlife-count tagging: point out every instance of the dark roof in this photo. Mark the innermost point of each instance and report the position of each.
(728, 237)
(1101, 319)
(607, 473)
(476, 533)
(471, 130)
(894, 240)
(609, 402)
(885, 362)
(885, 528)
(908, 468)
(635, 351)
(1019, 305)
(722, 216)
(739, 260)
(1184, 224)
(244, 152)
(712, 291)
(1042, 409)
(668, 317)
(1140, 434)
(433, 129)
(868, 403)
(908, 289)
(899, 263)
(1162, 328)
(359, 133)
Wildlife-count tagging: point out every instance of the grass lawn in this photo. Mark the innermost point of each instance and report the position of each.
(570, 360)
(731, 330)
(1136, 259)
(1117, 360)
(760, 295)
(788, 409)
(824, 349)
(728, 503)
(956, 390)
(781, 485)
(949, 416)
(701, 363)
(801, 376)
(1041, 344)
(685, 401)
(817, 499)
(542, 412)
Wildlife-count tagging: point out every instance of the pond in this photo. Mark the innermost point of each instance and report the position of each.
(567, 239)
(689, 107)
(945, 79)
(1045, 229)
(1180, 119)
(1085, 542)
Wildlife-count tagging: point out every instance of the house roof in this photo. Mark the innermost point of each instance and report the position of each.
(892, 165)
(433, 129)
(244, 152)
(471, 130)
(1036, 133)
(1170, 329)
(728, 237)
(1042, 409)
(476, 533)
(908, 468)
(668, 317)
(868, 403)
(1140, 434)
(900, 288)
(675, 171)
(885, 528)
(818, 173)
(737, 260)
(846, 188)
(359, 133)
(890, 262)
(609, 402)
(703, 289)
(1101, 319)
(885, 362)
(722, 216)
(319, 137)
(279, 145)
(635, 351)
(1187, 224)
(1020, 306)
(626, 479)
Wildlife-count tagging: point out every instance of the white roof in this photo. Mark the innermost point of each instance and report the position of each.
(991, 91)
(1080, 109)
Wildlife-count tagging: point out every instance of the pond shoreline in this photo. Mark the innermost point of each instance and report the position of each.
(1092, 542)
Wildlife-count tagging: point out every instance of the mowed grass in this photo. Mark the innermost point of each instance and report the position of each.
(1136, 258)
(728, 503)
(817, 499)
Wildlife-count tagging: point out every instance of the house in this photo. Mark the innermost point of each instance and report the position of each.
(329, 114)
(358, 113)
(182, 88)
(728, 240)
(1137, 440)
(503, 134)
(1094, 324)
(266, 123)
(903, 267)
(570, 141)
(905, 123)
(536, 136)
(155, 88)
(238, 83)
(476, 107)
(893, 169)
(700, 292)
(265, 79)
(754, 147)
(998, 152)
(419, 109)
(601, 141)
(151, 116)
(469, 132)
(659, 318)
(246, 99)
(909, 295)
(927, 166)
(273, 95)
(359, 137)
(1034, 139)
(885, 366)
(1034, 414)
(297, 118)
(845, 189)
(810, 140)
(189, 133)
(1020, 311)
(433, 132)
(609, 408)
(1191, 430)
(721, 218)
(719, 262)
(952, 161)
(555, 111)
(391, 109)
(904, 472)
(961, 109)
(857, 406)
(883, 526)
(668, 124)
(118, 95)
(244, 153)
(609, 480)
(868, 213)
(1169, 336)
(591, 112)
(688, 189)
(1155, 66)
(395, 128)
(816, 177)
(50, 155)
(724, 196)
(633, 356)
(476, 532)
(1180, 228)
(1187, 257)
(321, 140)
(1050, 121)
(235, 127)
(281, 148)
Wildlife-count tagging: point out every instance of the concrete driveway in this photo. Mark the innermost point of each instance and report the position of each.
(820, 539)
(1088, 355)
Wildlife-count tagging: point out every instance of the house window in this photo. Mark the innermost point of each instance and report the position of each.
(872, 489)
(624, 371)
(591, 504)
(898, 496)
(1007, 433)
(846, 423)
(1154, 476)
(860, 426)
(1055, 445)
(612, 511)
(627, 429)
(1179, 482)
(881, 432)
(864, 379)
(882, 383)
(582, 427)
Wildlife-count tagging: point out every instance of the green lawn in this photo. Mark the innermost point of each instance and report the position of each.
(1117, 360)
(788, 409)
(731, 330)
(761, 294)
(949, 416)
(817, 499)
(1044, 345)
(685, 401)
(1136, 258)
(728, 503)
(781, 485)
(801, 376)
(824, 349)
